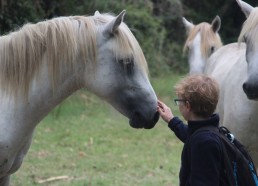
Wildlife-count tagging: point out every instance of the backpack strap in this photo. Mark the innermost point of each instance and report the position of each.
(228, 178)
(240, 147)
(245, 156)
(238, 153)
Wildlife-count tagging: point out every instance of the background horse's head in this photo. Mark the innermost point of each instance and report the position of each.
(120, 72)
(202, 41)
(249, 35)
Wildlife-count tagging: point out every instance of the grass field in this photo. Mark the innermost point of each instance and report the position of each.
(85, 142)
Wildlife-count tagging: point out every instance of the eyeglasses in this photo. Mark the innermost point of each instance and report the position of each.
(177, 101)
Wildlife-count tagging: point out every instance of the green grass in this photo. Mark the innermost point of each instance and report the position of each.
(93, 145)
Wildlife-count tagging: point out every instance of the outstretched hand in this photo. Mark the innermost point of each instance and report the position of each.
(164, 111)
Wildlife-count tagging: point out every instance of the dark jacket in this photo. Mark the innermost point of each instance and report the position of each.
(201, 158)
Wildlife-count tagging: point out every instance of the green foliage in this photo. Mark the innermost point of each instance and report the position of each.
(156, 24)
(231, 15)
(15, 13)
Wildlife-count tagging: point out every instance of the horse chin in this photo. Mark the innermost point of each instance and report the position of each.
(252, 97)
(134, 124)
(139, 122)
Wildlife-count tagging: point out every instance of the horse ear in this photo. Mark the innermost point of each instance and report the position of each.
(246, 8)
(187, 24)
(97, 13)
(112, 26)
(215, 25)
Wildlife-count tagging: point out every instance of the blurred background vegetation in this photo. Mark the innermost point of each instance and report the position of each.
(155, 23)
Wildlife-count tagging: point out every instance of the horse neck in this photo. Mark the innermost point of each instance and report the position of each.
(42, 98)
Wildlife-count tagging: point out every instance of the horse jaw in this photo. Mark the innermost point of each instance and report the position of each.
(143, 115)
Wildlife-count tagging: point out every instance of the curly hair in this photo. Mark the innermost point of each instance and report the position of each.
(201, 91)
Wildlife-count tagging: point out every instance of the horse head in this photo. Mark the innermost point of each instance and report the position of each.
(120, 73)
(249, 35)
(202, 41)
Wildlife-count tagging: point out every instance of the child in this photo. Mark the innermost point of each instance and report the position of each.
(201, 159)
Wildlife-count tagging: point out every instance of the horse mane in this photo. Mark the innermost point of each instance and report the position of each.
(208, 38)
(58, 41)
(250, 23)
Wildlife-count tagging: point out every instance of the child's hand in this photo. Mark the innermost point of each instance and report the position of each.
(164, 111)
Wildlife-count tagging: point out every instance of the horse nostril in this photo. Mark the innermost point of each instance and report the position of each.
(156, 118)
(137, 114)
(245, 87)
(251, 90)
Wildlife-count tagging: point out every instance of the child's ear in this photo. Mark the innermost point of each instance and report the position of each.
(188, 106)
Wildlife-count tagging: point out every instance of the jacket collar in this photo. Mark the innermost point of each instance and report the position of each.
(194, 125)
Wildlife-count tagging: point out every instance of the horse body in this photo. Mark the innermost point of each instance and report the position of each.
(234, 66)
(220, 65)
(61, 56)
(237, 112)
(17, 126)
(230, 67)
(229, 70)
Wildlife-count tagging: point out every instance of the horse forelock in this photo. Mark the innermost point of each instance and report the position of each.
(249, 28)
(128, 42)
(124, 43)
(208, 38)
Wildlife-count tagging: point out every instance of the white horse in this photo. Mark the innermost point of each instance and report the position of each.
(202, 41)
(235, 66)
(42, 64)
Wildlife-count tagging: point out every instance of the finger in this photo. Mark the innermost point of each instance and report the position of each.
(160, 109)
(160, 102)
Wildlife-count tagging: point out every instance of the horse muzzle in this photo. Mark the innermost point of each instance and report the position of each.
(139, 121)
(251, 91)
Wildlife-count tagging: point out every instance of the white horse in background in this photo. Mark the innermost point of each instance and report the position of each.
(42, 64)
(235, 66)
(202, 41)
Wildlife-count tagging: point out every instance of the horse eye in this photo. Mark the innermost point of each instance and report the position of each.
(212, 49)
(128, 64)
(120, 61)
